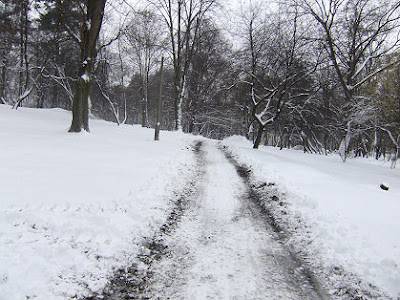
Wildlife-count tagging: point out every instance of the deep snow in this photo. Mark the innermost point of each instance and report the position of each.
(75, 207)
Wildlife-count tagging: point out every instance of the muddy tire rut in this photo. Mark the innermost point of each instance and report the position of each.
(218, 242)
(134, 282)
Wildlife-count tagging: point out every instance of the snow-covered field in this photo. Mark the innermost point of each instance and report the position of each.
(354, 223)
(75, 207)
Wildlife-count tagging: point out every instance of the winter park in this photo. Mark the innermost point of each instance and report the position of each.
(199, 149)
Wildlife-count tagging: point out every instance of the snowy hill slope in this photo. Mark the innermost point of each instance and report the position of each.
(73, 205)
(351, 222)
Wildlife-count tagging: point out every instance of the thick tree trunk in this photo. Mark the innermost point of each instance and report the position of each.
(80, 105)
(90, 29)
(76, 124)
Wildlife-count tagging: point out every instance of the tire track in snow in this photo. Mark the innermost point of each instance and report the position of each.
(224, 248)
(216, 244)
(135, 281)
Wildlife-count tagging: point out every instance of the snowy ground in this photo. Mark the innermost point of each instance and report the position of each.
(351, 222)
(75, 207)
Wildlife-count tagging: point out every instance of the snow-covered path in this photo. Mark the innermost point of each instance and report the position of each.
(223, 248)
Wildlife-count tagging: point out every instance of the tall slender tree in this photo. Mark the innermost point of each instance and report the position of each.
(183, 19)
(147, 42)
(8, 29)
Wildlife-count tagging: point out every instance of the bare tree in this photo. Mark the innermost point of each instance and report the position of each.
(385, 90)
(354, 34)
(23, 29)
(275, 66)
(15, 27)
(147, 44)
(7, 40)
(183, 19)
(210, 73)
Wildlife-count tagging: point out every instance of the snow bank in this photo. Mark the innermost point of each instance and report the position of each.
(73, 207)
(354, 223)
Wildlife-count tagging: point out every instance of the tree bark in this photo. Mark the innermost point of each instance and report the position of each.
(158, 121)
(90, 29)
(259, 137)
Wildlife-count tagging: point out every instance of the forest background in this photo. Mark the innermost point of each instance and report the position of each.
(320, 75)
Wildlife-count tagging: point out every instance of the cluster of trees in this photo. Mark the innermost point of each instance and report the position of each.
(322, 75)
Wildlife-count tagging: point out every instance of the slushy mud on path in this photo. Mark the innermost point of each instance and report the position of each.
(219, 246)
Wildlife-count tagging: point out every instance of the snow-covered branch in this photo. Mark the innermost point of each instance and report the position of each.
(27, 92)
(396, 144)
(107, 97)
(373, 74)
(73, 35)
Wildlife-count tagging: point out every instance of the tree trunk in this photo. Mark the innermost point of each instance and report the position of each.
(176, 105)
(90, 29)
(3, 63)
(23, 59)
(345, 144)
(158, 121)
(80, 105)
(77, 117)
(144, 112)
(259, 137)
(178, 101)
